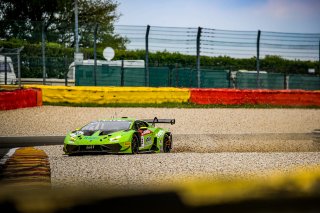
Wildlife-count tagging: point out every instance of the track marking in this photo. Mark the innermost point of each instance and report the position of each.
(7, 156)
(26, 166)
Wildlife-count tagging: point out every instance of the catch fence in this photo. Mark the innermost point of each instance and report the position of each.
(177, 57)
(187, 77)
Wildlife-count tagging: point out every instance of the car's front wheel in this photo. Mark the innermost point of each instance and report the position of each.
(135, 144)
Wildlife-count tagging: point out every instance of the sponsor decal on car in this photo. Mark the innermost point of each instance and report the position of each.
(91, 137)
(148, 140)
(89, 147)
(146, 132)
(160, 133)
(75, 134)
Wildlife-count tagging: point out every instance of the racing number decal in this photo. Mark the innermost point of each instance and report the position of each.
(142, 141)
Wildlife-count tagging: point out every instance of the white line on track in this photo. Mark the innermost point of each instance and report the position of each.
(7, 156)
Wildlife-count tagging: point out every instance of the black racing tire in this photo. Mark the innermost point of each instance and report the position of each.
(135, 144)
(167, 143)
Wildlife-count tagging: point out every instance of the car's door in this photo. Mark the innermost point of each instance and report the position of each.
(146, 134)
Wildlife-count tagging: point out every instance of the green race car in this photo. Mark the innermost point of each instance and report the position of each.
(120, 135)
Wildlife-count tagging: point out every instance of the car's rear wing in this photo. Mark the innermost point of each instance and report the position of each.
(162, 121)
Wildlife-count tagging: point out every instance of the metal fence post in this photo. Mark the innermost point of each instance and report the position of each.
(285, 82)
(198, 57)
(66, 72)
(5, 70)
(95, 54)
(122, 72)
(258, 59)
(43, 54)
(147, 57)
(229, 76)
(19, 66)
(76, 25)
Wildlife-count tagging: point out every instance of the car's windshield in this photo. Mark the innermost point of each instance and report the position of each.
(107, 126)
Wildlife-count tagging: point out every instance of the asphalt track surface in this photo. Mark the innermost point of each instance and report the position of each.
(8, 143)
(26, 141)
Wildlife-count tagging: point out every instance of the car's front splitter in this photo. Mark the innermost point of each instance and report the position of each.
(106, 148)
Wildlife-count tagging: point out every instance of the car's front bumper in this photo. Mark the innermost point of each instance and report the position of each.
(106, 148)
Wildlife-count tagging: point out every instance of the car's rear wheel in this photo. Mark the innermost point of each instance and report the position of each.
(135, 144)
(167, 143)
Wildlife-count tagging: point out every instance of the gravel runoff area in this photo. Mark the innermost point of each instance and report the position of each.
(156, 170)
(214, 142)
(53, 120)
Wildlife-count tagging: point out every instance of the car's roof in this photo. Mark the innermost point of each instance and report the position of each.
(120, 119)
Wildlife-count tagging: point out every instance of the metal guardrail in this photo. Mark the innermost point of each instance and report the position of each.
(49, 81)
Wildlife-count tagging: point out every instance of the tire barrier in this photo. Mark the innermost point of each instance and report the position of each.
(27, 167)
(109, 95)
(20, 98)
(268, 97)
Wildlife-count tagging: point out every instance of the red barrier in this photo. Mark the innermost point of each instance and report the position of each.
(270, 97)
(20, 98)
(39, 97)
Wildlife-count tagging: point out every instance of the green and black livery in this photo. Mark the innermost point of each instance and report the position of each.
(120, 135)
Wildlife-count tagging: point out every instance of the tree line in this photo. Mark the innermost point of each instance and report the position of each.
(28, 19)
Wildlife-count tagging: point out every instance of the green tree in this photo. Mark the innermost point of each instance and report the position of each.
(274, 63)
(21, 18)
(25, 19)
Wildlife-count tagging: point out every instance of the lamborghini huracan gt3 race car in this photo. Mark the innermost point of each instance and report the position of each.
(120, 135)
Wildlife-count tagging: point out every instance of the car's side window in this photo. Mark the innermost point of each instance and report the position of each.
(139, 124)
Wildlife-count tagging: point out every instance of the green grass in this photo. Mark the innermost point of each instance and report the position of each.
(177, 105)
